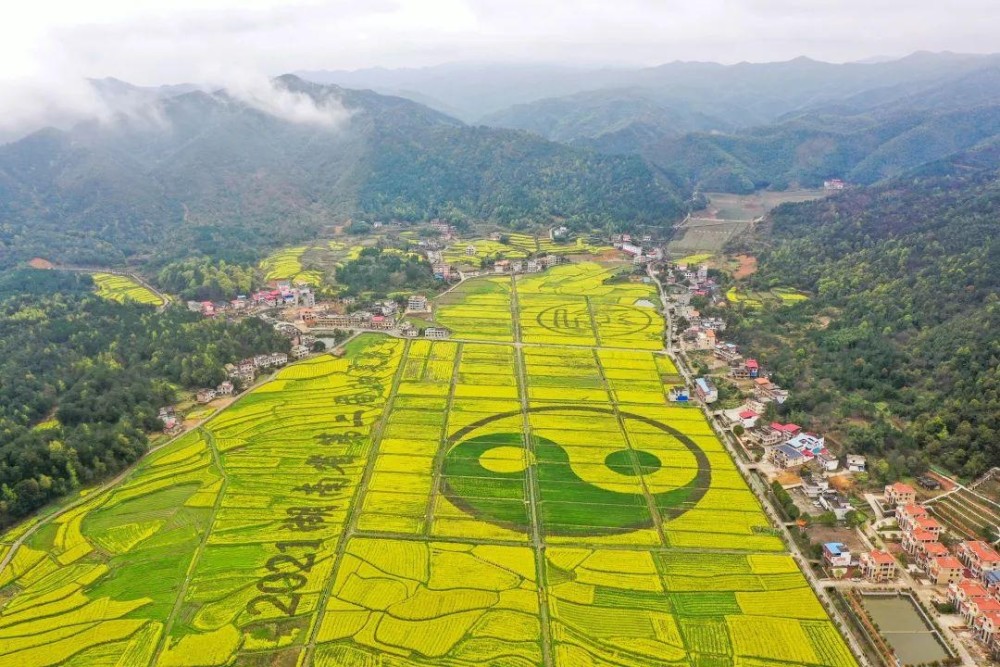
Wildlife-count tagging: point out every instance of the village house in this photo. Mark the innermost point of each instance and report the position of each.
(532, 266)
(928, 551)
(986, 628)
(815, 488)
(962, 593)
(786, 456)
(899, 494)
(225, 389)
(678, 394)
(836, 503)
(749, 370)
(441, 271)
(727, 352)
(944, 570)
(205, 396)
(929, 524)
(914, 538)
(417, 304)
(976, 607)
(835, 554)
(878, 566)
(764, 389)
(979, 557)
(436, 332)
(501, 266)
(856, 463)
(992, 582)
(381, 322)
(834, 184)
(705, 390)
(765, 436)
(907, 515)
(299, 351)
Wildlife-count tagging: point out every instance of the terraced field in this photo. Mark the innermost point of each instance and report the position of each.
(509, 498)
(124, 288)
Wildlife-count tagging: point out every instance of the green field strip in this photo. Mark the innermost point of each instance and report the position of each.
(593, 322)
(637, 470)
(344, 538)
(443, 447)
(196, 557)
(534, 496)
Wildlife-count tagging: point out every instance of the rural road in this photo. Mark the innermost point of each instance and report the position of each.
(681, 363)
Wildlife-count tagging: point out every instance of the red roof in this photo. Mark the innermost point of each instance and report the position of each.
(752, 363)
(993, 617)
(921, 535)
(882, 557)
(973, 589)
(915, 510)
(899, 487)
(786, 428)
(948, 563)
(982, 551)
(935, 549)
(987, 605)
(748, 414)
(378, 318)
(928, 523)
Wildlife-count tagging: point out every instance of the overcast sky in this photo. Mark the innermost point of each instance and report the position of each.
(48, 47)
(159, 41)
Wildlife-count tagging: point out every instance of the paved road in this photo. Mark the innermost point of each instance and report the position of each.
(772, 514)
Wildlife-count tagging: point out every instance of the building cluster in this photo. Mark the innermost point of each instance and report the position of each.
(971, 570)
(171, 423)
(279, 293)
(630, 246)
(244, 373)
(697, 280)
(533, 265)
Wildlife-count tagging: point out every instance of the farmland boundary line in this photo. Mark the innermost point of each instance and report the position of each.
(348, 532)
(196, 557)
(533, 489)
(443, 447)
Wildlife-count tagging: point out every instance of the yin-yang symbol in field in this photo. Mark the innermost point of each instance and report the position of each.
(486, 473)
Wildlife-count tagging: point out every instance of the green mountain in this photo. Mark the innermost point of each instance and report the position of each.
(897, 354)
(226, 176)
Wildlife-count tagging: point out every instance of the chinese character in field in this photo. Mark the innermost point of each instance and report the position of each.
(324, 488)
(320, 462)
(346, 438)
(357, 417)
(355, 399)
(307, 519)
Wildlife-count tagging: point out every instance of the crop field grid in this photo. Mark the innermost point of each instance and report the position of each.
(458, 503)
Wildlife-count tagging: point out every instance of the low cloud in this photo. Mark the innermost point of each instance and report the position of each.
(272, 97)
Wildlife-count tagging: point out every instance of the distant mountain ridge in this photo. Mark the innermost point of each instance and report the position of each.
(210, 172)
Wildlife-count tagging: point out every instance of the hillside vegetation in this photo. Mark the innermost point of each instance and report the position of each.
(213, 174)
(899, 349)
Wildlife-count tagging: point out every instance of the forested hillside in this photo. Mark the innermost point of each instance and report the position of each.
(210, 173)
(95, 372)
(899, 351)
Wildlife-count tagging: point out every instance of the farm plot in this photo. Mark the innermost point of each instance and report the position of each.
(584, 304)
(478, 310)
(124, 288)
(473, 252)
(216, 545)
(429, 503)
(286, 264)
(967, 513)
(778, 296)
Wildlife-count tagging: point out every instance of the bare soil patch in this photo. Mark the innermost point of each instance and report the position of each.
(40, 263)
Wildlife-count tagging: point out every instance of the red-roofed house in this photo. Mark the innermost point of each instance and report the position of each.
(965, 590)
(914, 538)
(900, 494)
(878, 566)
(907, 515)
(748, 418)
(929, 524)
(979, 557)
(928, 551)
(976, 607)
(790, 430)
(945, 570)
(987, 628)
(753, 368)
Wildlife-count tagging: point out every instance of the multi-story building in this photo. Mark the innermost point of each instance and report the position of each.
(979, 557)
(878, 566)
(899, 494)
(912, 539)
(966, 590)
(944, 570)
(907, 515)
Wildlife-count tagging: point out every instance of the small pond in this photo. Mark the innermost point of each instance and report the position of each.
(903, 628)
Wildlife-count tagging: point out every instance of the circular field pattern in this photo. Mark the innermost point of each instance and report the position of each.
(486, 475)
(575, 319)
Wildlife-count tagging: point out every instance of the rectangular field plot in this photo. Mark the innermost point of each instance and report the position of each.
(478, 310)
(424, 503)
